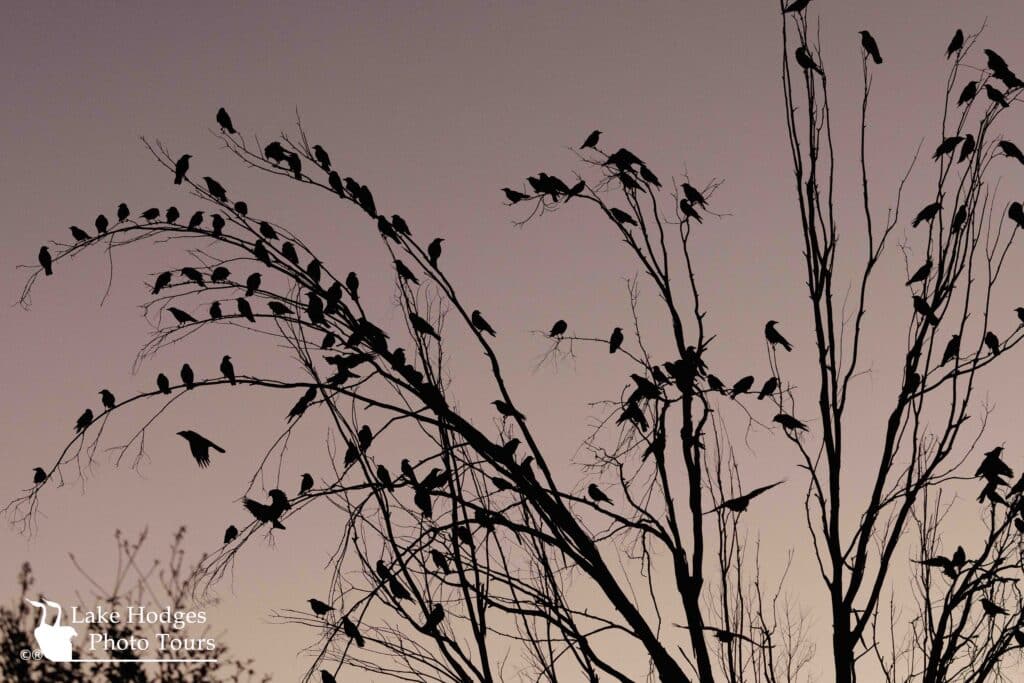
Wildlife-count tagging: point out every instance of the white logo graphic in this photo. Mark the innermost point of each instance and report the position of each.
(54, 640)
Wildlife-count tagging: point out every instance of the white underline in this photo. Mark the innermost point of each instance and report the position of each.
(168, 661)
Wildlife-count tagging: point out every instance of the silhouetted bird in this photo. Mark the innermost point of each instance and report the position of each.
(968, 94)
(688, 211)
(948, 146)
(1020, 314)
(45, 260)
(269, 513)
(621, 216)
(163, 384)
(218, 224)
(956, 44)
(123, 212)
(220, 274)
(319, 608)
(967, 148)
(299, 409)
(789, 422)
(645, 388)
(275, 152)
(400, 226)
(404, 273)
(245, 310)
(108, 400)
(228, 369)
(867, 41)
(742, 385)
(440, 560)
(384, 477)
(267, 231)
(352, 632)
(740, 503)
(1011, 150)
(252, 283)
(927, 214)
(1016, 214)
(193, 275)
(715, 384)
(796, 6)
(259, 250)
(172, 214)
(241, 208)
(434, 619)
(922, 308)
(365, 199)
(615, 341)
(769, 387)
(200, 446)
(181, 316)
(230, 534)
(996, 96)
(365, 437)
(693, 195)
(278, 308)
(322, 158)
(514, 197)
(188, 377)
(558, 329)
(912, 384)
(921, 274)
(591, 141)
(434, 251)
(992, 342)
(352, 284)
(288, 251)
(84, 420)
(597, 495)
(79, 234)
(952, 349)
(181, 168)
(648, 175)
(940, 562)
(101, 224)
(39, 475)
(507, 410)
(996, 63)
(151, 214)
(774, 337)
(635, 415)
(481, 324)
(991, 609)
(313, 270)
(224, 121)
(195, 221)
(216, 190)
(423, 327)
(806, 62)
(397, 590)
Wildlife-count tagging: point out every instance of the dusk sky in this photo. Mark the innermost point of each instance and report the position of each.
(435, 106)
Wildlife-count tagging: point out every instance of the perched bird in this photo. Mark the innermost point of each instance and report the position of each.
(241, 208)
(769, 387)
(163, 384)
(228, 369)
(948, 146)
(740, 503)
(956, 44)
(172, 214)
(319, 608)
(193, 275)
(181, 168)
(991, 609)
(188, 378)
(513, 196)
(434, 251)
(423, 327)
(195, 221)
(693, 195)
(322, 158)
(384, 477)
(288, 251)
(922, 308)
(796, 6)
(101, 224)
(220, 274)
(275, 152)
(306, 484)
(162, 280)
(151, 214)
(591, 141)
(952, 349)
(622, 217)
(440, 560)
(806, 62)
(742, 386)
(224, 121)
(687, 209)
(352, 632)
(84, 420)
(244, 309)
(215, 312)
(648, 175)
(200, 446)
(789, 422)
(996, 96)
(1020, 314)
(615, 341)
(79, 234)
(992, 342)
(108, 400)
(298, 410)
(716, 384)
(365, 436)
(314, 270)
(927, 214)
(635, 415)
(507, 410)
(181, 316)
(38, 476)
(967, 149)
(774, 337)
(295, 165)
(1016, 214)
(921, 274)
(123, 212)
(434, 619)
(597, 495)
(252, 283)
(404, 273)
(259, 250)
(215, 189)
(217, 222)
(867, 41)
(558, 329)
(1011, 150)
(481, 324)
(398, 591)
(968, 94)
(269, 513)
(230, 534)
(45, 260)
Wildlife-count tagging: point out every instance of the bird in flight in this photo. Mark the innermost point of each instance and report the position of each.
(200, 446)
(740, 503)
(269, 513)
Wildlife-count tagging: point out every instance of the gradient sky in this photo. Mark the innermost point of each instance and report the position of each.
(435, 106)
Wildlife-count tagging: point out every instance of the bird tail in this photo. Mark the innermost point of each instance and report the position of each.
(278, 525)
